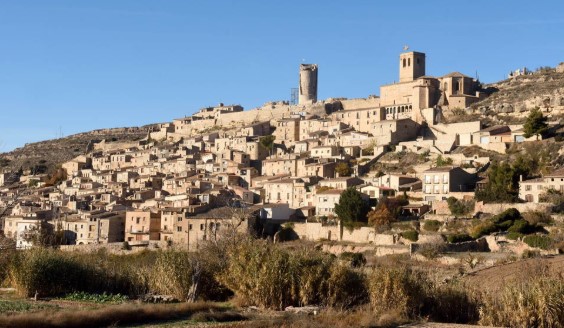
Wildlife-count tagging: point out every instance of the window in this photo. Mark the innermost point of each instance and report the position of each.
(427, 179)
(436, 179)
(189, 227)
(445, 178)
(202, 227)
(445, 189)
(179, 229)
(179, 219)
(527, 187)
(138, 220)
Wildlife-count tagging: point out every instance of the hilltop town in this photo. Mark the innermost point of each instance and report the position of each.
(286, 166)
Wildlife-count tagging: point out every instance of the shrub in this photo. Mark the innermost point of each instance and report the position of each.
(511, 214)
(397, 289)
(458, 238)
(356, 260)
(538, 241)
(430, 250)
(48, 273)
(521, 226)
(346, 287)
(483, 229)
(172, 274)
(432, 225)
(273, 277)
(411, 235)
(514, 235)
(537, 217)
(460, 207)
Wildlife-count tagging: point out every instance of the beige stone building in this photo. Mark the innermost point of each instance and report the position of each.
(142, 227)
(532, 190)
(416, 91)
(442, 182)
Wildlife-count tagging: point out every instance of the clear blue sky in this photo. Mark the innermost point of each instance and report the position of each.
(80, 65)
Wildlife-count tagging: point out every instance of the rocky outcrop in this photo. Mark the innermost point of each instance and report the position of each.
(518, 95)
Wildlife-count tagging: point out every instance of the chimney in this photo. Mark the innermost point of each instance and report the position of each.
(520, 178)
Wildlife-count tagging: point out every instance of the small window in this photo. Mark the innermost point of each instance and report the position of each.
(179, 229)
(189, 227)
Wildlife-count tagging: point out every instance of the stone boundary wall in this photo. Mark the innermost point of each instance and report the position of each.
(521, 207)
(479, 245)
(316, 231)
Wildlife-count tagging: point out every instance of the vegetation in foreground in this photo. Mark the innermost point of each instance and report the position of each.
(270, 276)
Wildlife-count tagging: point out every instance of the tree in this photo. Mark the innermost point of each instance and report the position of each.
(443, 161)
(352, 208)
(344, 169)
(381, 218)
(460, 207)
(267, 142)
(44, 234)
(387, 211)
(535, 124)
(501, 186)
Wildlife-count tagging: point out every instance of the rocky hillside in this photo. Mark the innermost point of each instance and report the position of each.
(516, 96)
(45, 155)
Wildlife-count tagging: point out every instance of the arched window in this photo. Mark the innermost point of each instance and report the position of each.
(408, 61)
(404, 62)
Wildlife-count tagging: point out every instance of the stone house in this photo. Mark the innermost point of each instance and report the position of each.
(142, 227)
(326, 152)
(440, 183)
(341, 183)
(287, 131)
(392, 132)
(531, 190)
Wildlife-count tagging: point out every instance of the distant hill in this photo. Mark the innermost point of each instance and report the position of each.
(45, 155)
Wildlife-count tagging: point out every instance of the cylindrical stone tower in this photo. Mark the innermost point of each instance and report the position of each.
(308, 84)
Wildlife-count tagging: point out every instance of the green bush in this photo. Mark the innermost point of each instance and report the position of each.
(538, 241)
(411, 235)
(483, 229)
(521, 226)
(458, 238)
(432, 225)
(96, 298)
(511, 214)
(514, 235)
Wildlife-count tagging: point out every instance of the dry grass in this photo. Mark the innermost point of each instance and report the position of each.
(536, 301)
(121, 315)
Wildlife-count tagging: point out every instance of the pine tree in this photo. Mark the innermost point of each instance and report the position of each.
(535, 124)
(352, 208)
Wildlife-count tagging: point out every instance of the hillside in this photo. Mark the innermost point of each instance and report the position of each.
(45, 155)
(517, 95)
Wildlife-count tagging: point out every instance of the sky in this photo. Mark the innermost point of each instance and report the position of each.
(77, 65)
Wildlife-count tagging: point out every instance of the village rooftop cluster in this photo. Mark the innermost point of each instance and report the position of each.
(258, 170)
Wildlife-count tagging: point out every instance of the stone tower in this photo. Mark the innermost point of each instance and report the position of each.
(412, 66)
(308, 84)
